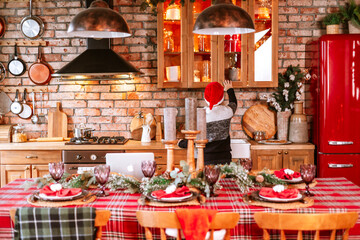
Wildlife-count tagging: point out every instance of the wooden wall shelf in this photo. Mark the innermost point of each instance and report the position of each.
(21, 89)
(23, 43)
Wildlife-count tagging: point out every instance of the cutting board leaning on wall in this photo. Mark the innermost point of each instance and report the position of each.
(57, 123)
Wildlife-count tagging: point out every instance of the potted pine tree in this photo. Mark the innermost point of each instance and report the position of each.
(351, 13)
(332, 22)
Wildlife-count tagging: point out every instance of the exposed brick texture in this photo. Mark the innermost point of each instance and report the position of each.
(108, 107)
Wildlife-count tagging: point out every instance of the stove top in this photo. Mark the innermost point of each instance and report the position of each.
(98, 141)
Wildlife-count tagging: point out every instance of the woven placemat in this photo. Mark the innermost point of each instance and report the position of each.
(306, 202)
(195, 202)
(302, 185)
(41, 203)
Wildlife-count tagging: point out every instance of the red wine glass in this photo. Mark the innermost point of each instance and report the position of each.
(246, 163)
(56, 170)
(102, 173)
(212, 174)
(148, 168)
(307, 172)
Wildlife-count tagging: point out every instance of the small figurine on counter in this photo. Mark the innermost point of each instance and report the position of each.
(218, 117)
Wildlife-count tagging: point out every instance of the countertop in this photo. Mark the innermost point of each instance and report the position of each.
(292, 146)
(131, 144)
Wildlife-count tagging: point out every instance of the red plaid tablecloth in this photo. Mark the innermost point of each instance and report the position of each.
(331, 195)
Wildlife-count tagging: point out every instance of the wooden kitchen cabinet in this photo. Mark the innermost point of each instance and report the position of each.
(161, 157)
(26, 164)
(251, 59)
(276, 157)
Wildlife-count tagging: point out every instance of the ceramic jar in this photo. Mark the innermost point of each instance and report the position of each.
(283, 124)
(298, 132)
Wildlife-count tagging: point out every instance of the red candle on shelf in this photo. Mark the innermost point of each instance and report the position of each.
(201, 123)
(170, 124)
(190, 113)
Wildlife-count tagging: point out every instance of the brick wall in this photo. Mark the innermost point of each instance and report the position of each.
(109, 107)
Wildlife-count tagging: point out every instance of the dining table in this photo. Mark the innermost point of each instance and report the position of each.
(332, 195)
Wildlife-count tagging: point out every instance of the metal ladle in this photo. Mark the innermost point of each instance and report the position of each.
(34, 117)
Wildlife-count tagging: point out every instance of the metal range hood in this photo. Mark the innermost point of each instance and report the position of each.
(98, 62)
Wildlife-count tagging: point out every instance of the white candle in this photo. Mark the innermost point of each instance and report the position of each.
(201, 123)
(190, 113)
(170, 124)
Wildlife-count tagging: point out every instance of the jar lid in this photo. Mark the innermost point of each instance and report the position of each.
(19, 126)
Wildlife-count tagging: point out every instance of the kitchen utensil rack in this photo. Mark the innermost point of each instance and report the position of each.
(21, 0)
(21, 89)
(23, 43)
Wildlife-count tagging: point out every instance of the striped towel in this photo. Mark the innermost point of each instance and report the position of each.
(54, 223)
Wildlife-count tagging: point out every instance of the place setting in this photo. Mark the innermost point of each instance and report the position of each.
(284, 196)
(58, 194)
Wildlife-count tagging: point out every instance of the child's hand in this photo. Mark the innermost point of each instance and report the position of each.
(227, 85)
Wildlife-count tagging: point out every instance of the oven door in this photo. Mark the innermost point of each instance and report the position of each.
(78, 168)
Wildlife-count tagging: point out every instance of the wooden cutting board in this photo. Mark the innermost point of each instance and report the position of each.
(57, 123)
(259, 118)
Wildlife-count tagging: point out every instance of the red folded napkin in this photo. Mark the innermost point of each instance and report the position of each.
(286, 194)
(195, 223)
(180, 192)
(61, 193)
(282, 175)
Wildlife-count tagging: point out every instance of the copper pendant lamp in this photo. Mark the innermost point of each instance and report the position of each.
(98, 21)
(223, 18)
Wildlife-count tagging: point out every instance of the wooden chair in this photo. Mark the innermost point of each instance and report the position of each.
(163, 220)
(306, 222)
(101, 219)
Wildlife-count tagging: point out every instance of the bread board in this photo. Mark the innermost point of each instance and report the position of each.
(5, 133)
(57, 123)
(259, 118)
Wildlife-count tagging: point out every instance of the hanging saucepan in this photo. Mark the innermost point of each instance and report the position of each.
(2, 26)
(32, 27)
(16, 66)
(39, 72)
(16, 107)
(2, 72)
(27, 110)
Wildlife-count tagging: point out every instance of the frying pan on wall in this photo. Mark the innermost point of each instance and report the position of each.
(16, 107)
(27, 110)
(16, 66)
(2, 26)
(32, 27)
(2, 72)
(39, 72)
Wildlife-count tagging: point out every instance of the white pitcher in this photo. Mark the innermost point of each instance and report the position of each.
(145, 137)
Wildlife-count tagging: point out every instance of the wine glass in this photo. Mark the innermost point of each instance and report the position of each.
(307, 172)
(148, 168)
(56, 170)
(246, 163)
(102, 173)
(212, 174)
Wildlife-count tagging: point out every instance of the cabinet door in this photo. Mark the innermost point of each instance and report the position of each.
(270, 159)
(262, 46)
(30, 157)
(12, 172)
(39, 170)
(294, 158)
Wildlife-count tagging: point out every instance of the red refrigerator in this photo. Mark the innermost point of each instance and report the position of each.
(337, 107)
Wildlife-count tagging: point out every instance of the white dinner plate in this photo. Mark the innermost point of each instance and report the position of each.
(173, 199)
(294, 180)
(43, 196)
(299, 196)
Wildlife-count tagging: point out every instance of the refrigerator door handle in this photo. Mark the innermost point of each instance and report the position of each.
(333, 165)
(340, 143)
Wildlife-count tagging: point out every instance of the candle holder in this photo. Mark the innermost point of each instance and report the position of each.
(170, 145)
(190, 135)
(200, 145)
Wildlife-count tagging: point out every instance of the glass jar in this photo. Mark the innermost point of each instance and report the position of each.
(168, 41)
(259, 135)
(18, 135)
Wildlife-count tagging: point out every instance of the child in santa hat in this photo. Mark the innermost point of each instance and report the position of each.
(218, 117)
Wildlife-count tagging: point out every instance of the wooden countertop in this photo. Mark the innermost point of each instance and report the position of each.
(291, 146)
(131, 144)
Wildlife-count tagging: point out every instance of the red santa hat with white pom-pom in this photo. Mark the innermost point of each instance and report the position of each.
(214, 94)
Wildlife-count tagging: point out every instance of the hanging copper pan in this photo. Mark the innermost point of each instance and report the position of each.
(39, 72)
(2, 26)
